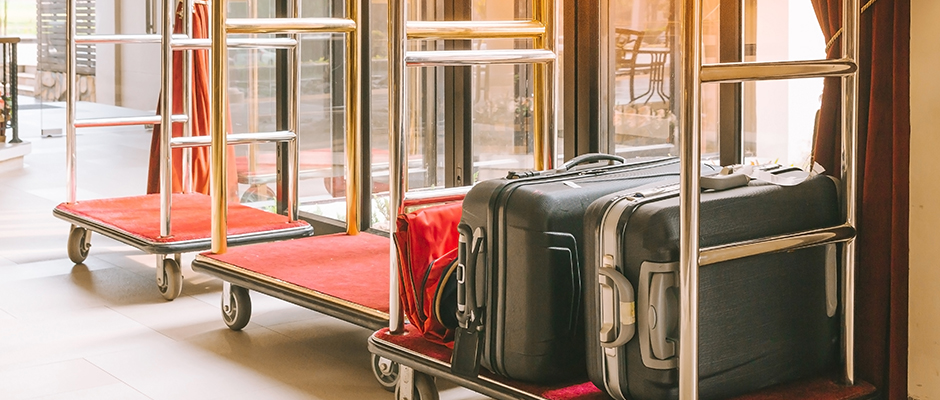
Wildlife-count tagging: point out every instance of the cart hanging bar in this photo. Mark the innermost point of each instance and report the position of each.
(455, 30)
(817, 237)
(127, 121)
(754, 71)
(541, 28)
(185, 42)
(124, 39)
(290, 25)
(477, 57)
(220, 26)
(234, 139)
(236, 43)
(691, 256)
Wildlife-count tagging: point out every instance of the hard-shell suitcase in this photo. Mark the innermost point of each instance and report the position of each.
(519, 275)
(763, 319)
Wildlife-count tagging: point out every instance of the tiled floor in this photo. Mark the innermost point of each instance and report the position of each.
(100, 330)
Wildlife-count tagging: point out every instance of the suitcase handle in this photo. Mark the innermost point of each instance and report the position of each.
(468, 337)
(618, 308)
(723, 182)
(470, 245)
(663, 315)
(593, 157)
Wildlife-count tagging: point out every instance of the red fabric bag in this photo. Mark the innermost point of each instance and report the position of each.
(427, 246)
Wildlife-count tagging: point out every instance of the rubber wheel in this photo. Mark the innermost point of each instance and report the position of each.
(425, 389)
(258, 193)
(386, 372)
(172, 284)
(79, 244)
(239, 312)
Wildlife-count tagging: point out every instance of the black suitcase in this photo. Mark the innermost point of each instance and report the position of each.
(763, 319)
(520, 291)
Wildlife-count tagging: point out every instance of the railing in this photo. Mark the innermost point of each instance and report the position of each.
(541, 28)
(10, 89)
(691, 256)
(169, 43)
(219, 27)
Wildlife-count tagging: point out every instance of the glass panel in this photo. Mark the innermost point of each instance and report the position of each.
(643, 45)
(779, 116)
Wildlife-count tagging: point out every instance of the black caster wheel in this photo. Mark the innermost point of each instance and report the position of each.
(238, 311)
(169, 278)
(79, 244)
(386, 372)
(423, 389)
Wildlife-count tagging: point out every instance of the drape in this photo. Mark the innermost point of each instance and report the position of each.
(199, 117)
(881, 324)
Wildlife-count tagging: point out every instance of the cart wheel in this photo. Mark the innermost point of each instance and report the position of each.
(79, 244)
(169, 278)
(238, 312)
(386, 372)
(424, 388)
(258, 193)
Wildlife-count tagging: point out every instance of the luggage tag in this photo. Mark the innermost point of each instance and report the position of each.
(468, 337)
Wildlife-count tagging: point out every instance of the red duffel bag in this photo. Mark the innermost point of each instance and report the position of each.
(427, 250)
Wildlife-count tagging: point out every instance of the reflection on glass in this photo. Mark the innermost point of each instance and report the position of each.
(643, 46)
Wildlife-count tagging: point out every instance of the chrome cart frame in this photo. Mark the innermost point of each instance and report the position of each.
(169, 278)
(415, 366)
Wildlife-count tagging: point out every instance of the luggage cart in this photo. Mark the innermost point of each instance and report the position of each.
(419, 361)
(145, 221)
(343, 275)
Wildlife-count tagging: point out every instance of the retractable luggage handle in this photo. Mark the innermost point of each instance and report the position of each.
(468, 338)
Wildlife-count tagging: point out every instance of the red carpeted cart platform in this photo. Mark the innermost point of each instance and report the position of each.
(428, 359)
(135, 221)
(343, 276)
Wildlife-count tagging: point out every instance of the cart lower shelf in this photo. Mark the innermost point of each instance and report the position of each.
(136, 221)
(410, 349)
(343, 276)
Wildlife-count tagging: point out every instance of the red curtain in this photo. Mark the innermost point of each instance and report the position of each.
(199, 117)
(884, 154)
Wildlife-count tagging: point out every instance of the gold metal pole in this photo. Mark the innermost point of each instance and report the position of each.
(689, 196)
(253, 97)
(543, 94)
(353, 116)
(219, 84)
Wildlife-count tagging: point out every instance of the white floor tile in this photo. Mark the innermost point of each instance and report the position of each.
(117, 391)
(52, 379)
(77, 290)
(34, 339)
